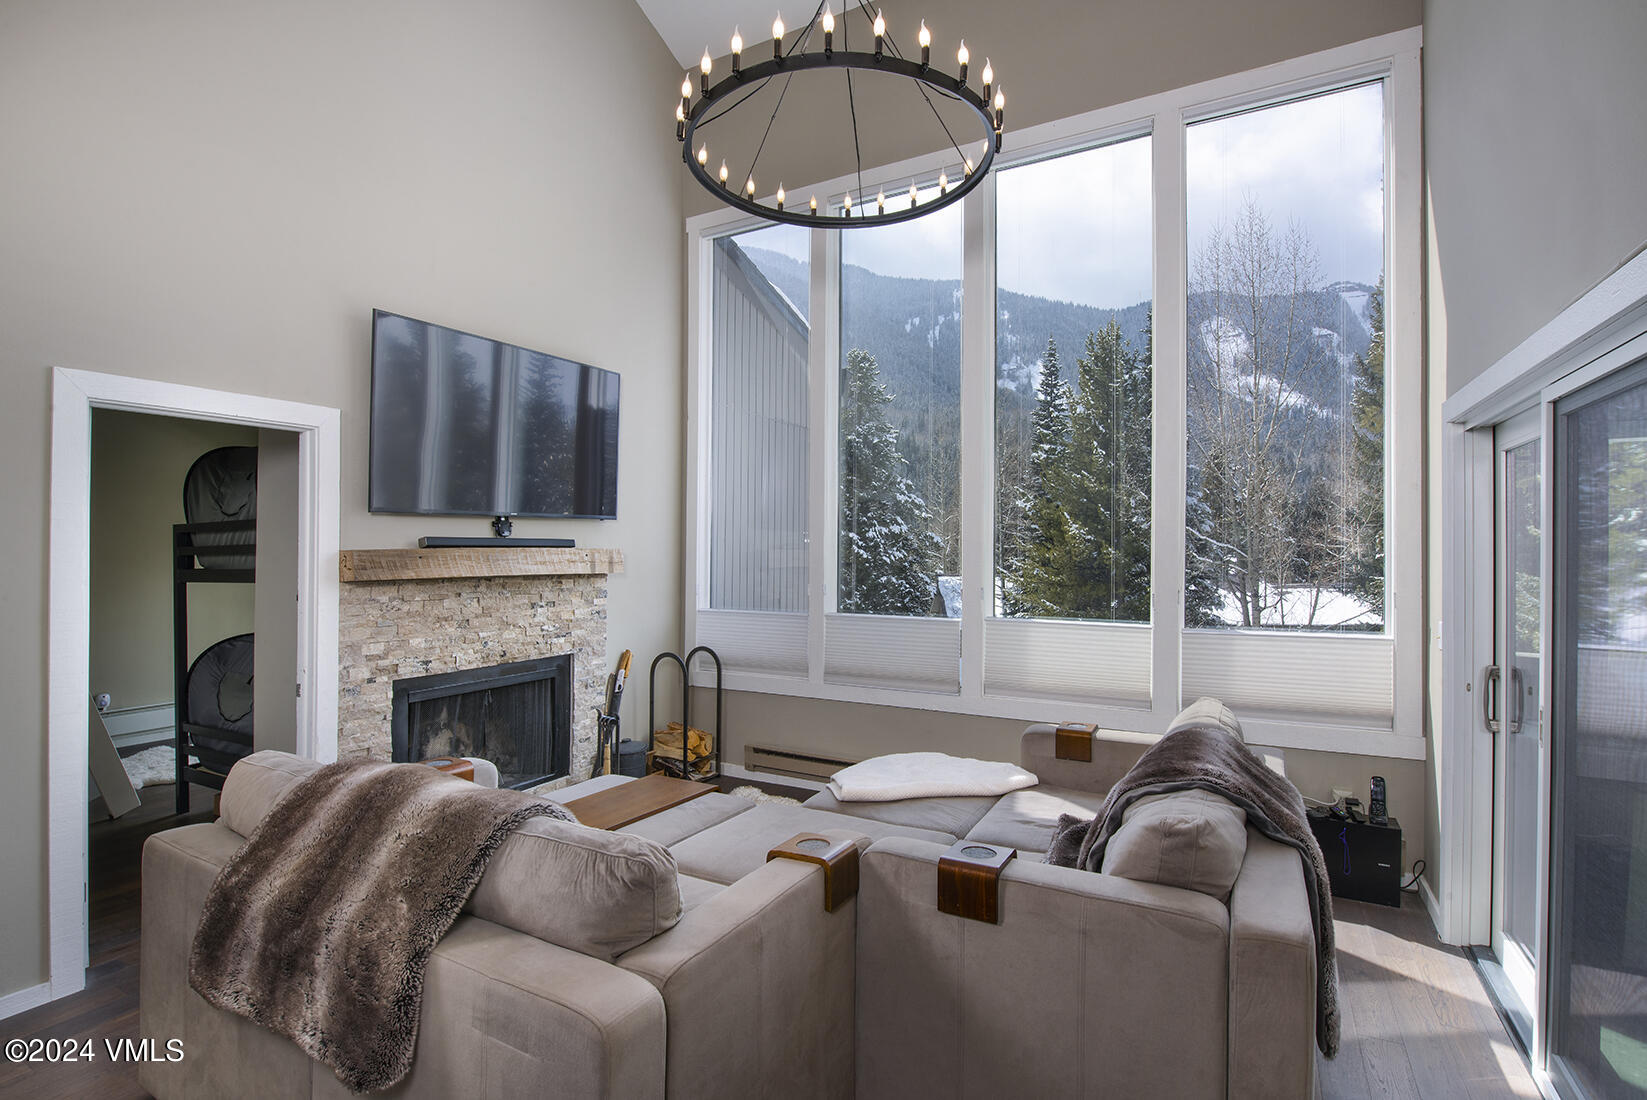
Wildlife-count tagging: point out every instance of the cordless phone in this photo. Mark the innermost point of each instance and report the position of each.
(1377, 814)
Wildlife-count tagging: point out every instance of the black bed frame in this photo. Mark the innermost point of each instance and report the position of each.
(204, 753)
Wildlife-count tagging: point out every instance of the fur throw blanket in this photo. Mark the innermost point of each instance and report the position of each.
(321, 926)
(1210, 758)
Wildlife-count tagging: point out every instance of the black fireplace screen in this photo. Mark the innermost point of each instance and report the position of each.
(516, 715)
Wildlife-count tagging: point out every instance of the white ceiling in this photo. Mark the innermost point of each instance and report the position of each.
(687, 26)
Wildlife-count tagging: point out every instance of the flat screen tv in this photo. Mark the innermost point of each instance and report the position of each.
(463, 425)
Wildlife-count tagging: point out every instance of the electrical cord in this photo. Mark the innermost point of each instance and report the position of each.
(1411, 885)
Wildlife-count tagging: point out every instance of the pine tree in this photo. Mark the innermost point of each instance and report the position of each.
(886, 550)
(1089, 555)
(1366, 504)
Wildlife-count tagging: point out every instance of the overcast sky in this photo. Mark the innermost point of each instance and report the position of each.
(1077, 228)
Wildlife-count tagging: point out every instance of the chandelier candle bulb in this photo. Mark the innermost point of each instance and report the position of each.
(962, 55)
(880, 34)
(777, 39)
(686, 94)
(1000, 109)
(723, 173)
(828, 23)
(968, 166)
(704, 68)
(780, 196)
(737, 53)
(989, 78)
(814, 206)
(749, 186)
(680, 122)
(912, 197)
(846, 207)
(943, 182)
(880, 202)
(925, 39)
(703, 156)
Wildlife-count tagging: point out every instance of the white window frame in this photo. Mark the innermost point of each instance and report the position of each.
(1393, 58)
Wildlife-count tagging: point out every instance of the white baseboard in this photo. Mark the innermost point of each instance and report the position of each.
(130, 726)
(24, 999)
(736, 771)
(1431, 905)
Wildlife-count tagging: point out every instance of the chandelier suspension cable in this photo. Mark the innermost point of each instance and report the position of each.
(775, 108)
(851, 104)
(863, 6)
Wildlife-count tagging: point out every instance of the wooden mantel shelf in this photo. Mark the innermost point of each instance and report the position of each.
(355, 566)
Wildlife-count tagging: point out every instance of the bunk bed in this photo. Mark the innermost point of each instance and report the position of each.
(216, 545)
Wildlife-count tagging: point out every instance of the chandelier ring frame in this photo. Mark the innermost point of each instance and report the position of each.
(846, 60)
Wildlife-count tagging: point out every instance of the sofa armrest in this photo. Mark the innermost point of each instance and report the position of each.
(1272, 975)
(1089, 985)
(1114, 752)
(758, 986)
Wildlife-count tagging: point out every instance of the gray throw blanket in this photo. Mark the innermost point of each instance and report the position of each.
(320, 928)
(1209, 758)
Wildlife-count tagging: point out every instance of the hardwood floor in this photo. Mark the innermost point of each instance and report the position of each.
(107, 1007)
(1416, 1019)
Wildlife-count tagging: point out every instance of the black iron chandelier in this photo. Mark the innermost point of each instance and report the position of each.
(717, 100)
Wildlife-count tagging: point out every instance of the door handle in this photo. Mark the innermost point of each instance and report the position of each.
(1518, 690)
(1489, 697)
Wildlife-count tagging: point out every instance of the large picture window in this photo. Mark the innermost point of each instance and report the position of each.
(1073, 386)
(1285, 502)
(900, 417)
(1140, 420)
(758, 422)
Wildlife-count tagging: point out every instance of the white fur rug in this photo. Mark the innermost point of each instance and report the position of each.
(755, 794)
(151, 767)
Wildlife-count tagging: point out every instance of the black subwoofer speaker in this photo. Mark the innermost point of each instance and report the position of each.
(1363, 860)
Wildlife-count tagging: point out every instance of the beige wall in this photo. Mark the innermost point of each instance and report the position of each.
(1054, 59)
(218, 194)
(1535, 146)
(1057, 59)
(138, 465)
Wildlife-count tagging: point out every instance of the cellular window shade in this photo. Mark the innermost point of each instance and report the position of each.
(1078, 661)
(887, 651)
(1346, 680)
(755, 641)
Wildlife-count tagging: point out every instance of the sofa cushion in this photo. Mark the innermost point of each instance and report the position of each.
(679, 822)
(1114, 752)
(955, 814)
(1025, 819)
(583, 889)
(1207, 711)
(696, 891)
(256, 783)
(726, 852)
(1195, 840)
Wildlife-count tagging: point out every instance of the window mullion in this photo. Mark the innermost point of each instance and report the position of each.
(823, 419)
(1168, 356)
(977, 431)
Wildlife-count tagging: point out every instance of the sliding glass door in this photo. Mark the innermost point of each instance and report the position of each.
(1597, 1031)
(1511, 699)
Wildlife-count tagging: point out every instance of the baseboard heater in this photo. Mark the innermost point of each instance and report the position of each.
(797, 763)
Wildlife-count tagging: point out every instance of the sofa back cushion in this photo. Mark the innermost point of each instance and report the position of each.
(1207, 711)
(256, 783)
(1194, 840)
(583, 889)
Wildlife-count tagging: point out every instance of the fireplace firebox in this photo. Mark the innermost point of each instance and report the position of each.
(517, 715)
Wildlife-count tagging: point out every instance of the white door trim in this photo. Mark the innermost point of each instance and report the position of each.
(1586, 339)
(74, 394)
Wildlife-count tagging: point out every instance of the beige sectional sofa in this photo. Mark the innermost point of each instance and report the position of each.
(670, 958)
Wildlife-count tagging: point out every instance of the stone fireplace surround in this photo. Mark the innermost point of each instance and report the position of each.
(409, 612)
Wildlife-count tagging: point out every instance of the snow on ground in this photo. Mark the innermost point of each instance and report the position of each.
(1303, 607)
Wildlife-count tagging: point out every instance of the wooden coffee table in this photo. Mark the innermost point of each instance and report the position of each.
(628, 803)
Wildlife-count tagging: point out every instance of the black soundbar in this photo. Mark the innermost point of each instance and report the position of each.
(440, 542)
